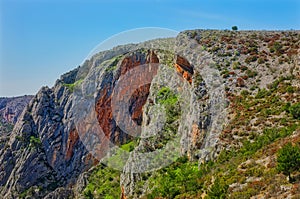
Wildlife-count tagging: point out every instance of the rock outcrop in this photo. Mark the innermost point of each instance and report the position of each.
(158, 100)
(12, 107)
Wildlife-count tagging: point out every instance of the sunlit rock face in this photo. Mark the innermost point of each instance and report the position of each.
(184, 68)
(50, 153)
(45, 149)
(46, 146)
(138, 99)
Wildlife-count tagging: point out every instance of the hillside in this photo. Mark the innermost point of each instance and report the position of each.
(202, 115)
(12, 107)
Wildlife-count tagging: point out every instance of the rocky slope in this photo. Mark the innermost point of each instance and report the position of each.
(12, 107)
(10, 111)
(180, 117)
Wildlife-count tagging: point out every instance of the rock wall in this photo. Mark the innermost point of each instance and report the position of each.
(45, 151)
(12, 107)
(51, 151)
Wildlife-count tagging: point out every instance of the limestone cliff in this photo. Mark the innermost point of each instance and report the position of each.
(110, 127)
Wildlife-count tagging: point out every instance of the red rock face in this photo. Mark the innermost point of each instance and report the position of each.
(103, 105)
(139, 97)
(104, 111)
(72, 140)
(137, 102)
(123, 196)
(129, 63)
(184, 68)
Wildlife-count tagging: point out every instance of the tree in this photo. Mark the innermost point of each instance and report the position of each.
(288, 159)
(235, 28)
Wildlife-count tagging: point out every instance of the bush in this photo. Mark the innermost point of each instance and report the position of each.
(235, 28)
(129, 146)
(295, 110)
(218, 190)
(290, 89)
(243, 68)
(236, 65)
(35, 142)
(288, 159)
(251, 73)
(251, 58)
(277, 46)
(261, 60)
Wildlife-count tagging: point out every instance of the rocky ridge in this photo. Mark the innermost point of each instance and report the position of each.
(195, 80)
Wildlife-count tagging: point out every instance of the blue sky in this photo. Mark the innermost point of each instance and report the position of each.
(42, 39)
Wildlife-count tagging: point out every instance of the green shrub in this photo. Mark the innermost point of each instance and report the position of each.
(290, 89)
(193, 34)
(166, 96)
(277, 46)
(110, 68)
(170, 101)
(120, 157)
(251, 73)
(171, 104)
(128, 146)
(243, 68)
(288, 159)
(225, 73)
(35, 141)
(261, 60)
(295, 110)
(198, 79)
(218, 190)
(71, 87)
(236, 65)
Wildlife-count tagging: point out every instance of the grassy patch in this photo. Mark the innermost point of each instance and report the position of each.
(128, 146)
(71, 87)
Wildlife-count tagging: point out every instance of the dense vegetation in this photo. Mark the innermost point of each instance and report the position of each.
(183, 179)
(104, 182)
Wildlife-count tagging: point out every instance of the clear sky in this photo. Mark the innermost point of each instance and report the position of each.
(42, 39)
